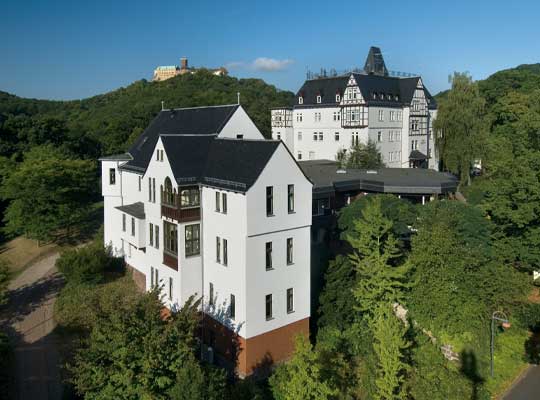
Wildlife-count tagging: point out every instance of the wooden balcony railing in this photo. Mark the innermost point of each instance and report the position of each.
(181, 214)
(172, 205)
(170, 260)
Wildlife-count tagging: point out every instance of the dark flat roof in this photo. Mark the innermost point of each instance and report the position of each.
(135, 210)
(326, 179)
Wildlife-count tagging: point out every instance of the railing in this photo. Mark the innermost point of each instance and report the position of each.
(171, 207)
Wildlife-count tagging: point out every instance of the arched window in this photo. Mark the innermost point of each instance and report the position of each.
(168, 192)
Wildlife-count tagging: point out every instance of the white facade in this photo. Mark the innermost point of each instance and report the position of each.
(244, 226)
(319, 131)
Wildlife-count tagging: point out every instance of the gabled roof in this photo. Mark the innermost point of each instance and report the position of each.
(228, 163)
(135, 210)
(325, 87)
(180, 121)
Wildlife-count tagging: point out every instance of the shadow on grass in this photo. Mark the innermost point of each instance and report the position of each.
(469, 368)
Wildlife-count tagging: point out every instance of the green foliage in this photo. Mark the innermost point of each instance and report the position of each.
(85, 265)
(194, 383)
(48, 193)
(378, 281)
(6, 366)
(361, 156)
(4, 280)
(137, 353)
(461, 126)
(301, 378)
(391, 348)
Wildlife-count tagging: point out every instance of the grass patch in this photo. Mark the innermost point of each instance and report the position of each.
(21, 252)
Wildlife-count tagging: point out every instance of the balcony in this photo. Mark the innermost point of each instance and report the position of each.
(170, 260)
(183, 207)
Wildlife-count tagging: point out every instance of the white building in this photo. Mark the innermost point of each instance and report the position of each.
(332, 113)
(204, 207)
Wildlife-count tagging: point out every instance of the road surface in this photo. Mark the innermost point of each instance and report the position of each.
(28, 319)
(527, 388)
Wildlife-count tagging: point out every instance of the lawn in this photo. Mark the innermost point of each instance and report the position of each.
(21, 252)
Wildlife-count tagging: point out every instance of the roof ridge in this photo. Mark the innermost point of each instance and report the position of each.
(197, 107)
(248, 140)
(188, 134)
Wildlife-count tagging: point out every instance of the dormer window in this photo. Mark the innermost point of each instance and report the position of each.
(319, 99)
(397, 97)
(388, 97)
(338, 98)
(374, 96)
(300, 100)
(381, 96)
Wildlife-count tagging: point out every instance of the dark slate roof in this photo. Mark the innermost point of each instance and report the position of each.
(135, 210)
(228, 163)
(375, 62)
(417, 155)
(117, 157)
(324, 174)
(326, 87)
(181, 121)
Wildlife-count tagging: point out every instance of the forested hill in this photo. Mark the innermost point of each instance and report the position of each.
(105, 124)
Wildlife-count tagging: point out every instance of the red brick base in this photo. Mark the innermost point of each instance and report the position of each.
(255, 354)
(138, 277)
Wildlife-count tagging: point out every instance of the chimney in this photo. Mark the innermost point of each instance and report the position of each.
(183, 63)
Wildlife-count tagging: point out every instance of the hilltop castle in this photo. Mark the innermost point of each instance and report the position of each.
(165, 72)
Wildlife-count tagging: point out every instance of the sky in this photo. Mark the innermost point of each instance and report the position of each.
(62, 49)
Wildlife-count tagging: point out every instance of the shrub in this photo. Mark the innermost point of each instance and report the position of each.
(85, 265)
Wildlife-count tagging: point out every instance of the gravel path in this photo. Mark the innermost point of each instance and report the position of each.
(29, 320)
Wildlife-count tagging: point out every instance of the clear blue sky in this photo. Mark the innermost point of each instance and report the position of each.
(74, 49)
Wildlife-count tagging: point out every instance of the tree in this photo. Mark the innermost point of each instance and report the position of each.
(360, 156)
(301, 378)
(48, 192)
(390, 346)
(139, 353)
(378, 282)
(4, 280)
(460, 127)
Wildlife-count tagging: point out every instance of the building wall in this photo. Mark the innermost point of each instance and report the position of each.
(240, 123)
(385, 144)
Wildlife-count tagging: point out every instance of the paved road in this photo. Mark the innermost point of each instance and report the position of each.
(528, 387)
(29, 320)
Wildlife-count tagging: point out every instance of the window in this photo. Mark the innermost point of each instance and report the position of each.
(150, 189)
(290, 300)
(338, 98)
(112, 176)
(299, 155)
(300, 100)
(392, 115)
(189, 198)
(225, 255)
(268, 255)
(315, 136)
(232, 307)
(335, 116)
(151, 233)
(218, 249)
(123, 222)
(170, 288)
(239, 136)
(269, 201)
(299, 136)
(278, 136)
(290, 198)
(157, 236)
(140, 183)
(153, 190)
(224, 202)
(132, 226)
(319, 206)
(211, 294)
(311, 155)
(336, 136)
(171, 237)
(152, 277)
(268, 306)
(193, 241)
(414, 125)
(168, 195)
(320, 136)
(218, 202)
(381, 115)
(318, 99)
(379, 136)
(289, 250)
(354, 141)
(399, 115)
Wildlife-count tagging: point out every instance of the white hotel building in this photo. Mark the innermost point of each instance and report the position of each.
(333, 113)
(203, 206)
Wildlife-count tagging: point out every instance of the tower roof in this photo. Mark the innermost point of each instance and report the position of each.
(375, 62)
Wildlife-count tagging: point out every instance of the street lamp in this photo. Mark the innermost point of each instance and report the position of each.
(497, 316)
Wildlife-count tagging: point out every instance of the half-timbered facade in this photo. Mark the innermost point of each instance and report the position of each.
(333, 113)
